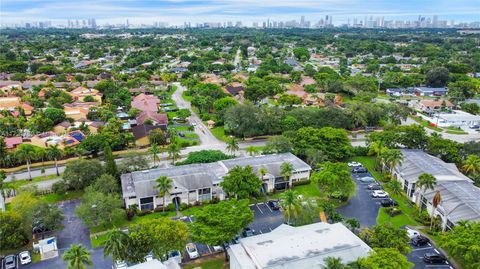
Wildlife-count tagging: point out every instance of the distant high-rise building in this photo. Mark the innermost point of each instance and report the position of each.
(302, 21)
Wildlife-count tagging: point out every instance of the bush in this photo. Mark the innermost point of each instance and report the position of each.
(170, 207)
(360, 151)
(144, 213)
(215, 200)
(183, 206)
(300, 183)
(60, 187)
(130, 213)
(422, 217)
(393, 211)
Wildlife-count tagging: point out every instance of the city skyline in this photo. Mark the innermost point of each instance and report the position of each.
(176, 12)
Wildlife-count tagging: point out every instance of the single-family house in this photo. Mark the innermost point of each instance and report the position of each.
(13, 142)
(300, 247)
(78, 110)
(235, 89)
(141, 132)
(430, 106)
(146, 102)
(80, 93)
(201, 182)
(429, 91)
(62, 127)
(153, 118)
(459, 194)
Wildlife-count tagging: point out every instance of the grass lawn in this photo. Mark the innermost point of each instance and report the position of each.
(215, 263)
(308, 191)
(181, 128)
(453, 130)
(219, 133)
(137, 219)
(21, 182)
(425, 123)
(53, 198)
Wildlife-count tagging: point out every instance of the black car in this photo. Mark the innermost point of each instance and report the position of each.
(247, 232)
(374, 186)
(420, 241)
(274, 204)
(359, 170)
(433, 257)
(388, 202)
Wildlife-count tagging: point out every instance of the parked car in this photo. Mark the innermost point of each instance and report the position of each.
(175, 255)
(247, 232)
(367, 179)
(374, 186)
(379, 194)
(359, 170)
(475, 126)
(433, 257)
(120, 265)
(354, 164)
(388, 202)
(274, 204)
(24, 257)
(217, 248)
(412, 233)
(192, 251)
(10, 262)
(420, 240)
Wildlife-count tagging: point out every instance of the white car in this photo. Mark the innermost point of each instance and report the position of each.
(379, 194)
(217, 248)
(367, 179)
(412, 233)
(192, 251)
(175, 255)
(354, 164)
(24, 257)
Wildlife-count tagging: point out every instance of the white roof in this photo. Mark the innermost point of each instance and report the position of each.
(156, 264)
(459, 116)
(299, 247)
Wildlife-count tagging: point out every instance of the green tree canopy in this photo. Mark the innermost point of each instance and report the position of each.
(463, 242)
(335, 179)
(385, 258)
(241, 182)
(80, 173)
(387, 236)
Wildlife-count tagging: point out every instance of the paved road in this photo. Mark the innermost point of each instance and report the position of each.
(74, 232)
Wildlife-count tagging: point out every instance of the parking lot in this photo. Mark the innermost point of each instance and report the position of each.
(362, 206)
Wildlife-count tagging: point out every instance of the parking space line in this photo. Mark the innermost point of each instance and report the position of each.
(209, 249)
(269, 208)
(415, 249)
(436, 251)
(259, 209)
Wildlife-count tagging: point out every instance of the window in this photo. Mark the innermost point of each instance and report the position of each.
(146, 203)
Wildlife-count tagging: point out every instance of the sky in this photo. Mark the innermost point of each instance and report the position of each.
(247, 11)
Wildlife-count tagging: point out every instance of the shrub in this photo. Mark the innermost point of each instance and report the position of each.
(422, 217)
(144, 213)
(393, 211)
(60, 187)
(183, 206)
(300, 183)
(360, 151)
(170, 207)
(130, 213)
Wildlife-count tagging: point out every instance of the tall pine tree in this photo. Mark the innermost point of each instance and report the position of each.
(110, 165)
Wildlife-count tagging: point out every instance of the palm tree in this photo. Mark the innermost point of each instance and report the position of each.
(377, 148)
(173, 151)
(395, 187)
(154, 150)
(472, 164)
(54, 153)
(290, 203)
(286, 170)
(232, 145)
(392, 158)
(437, 199)
(116, 245)
(262, 171)
(77, 257)
(25, 152)
(426, 181)
(164, 185)
(252, 150)
(333, 263)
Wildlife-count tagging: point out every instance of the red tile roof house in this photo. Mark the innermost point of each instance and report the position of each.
(145, 102)
(13, 142)
(156, 119)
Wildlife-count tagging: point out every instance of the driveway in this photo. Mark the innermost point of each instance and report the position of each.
(265, 219)
(74, 232)
(361, 206)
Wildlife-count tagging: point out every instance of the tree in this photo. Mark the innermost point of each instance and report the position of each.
(395, 187)
(472, 165)
(157, 136)
(278, 144)
(154, 150)
(26, 152)
(80, 173)
(463, 242)
(426, 181)
(241, 182)
(105, 184)
(232, 145)
(335, 180)
(184, 113)
(377, 148)
(252, 150)
(9, 223)
(157, 235)
(437, 77)
(77, 257)
(437, 199)
(392, 158)
(385, 258)
(387, 236)
(110, 165)
(56, 115)
(26, 204)
(116, 244)
(173, 151)
(290, 203)
(333, 263)
(54, 153)
(164, 185)
(204, 156)
(286, 170)
(301, 54)
(100, 209)
(216, 224)
(47, 217)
